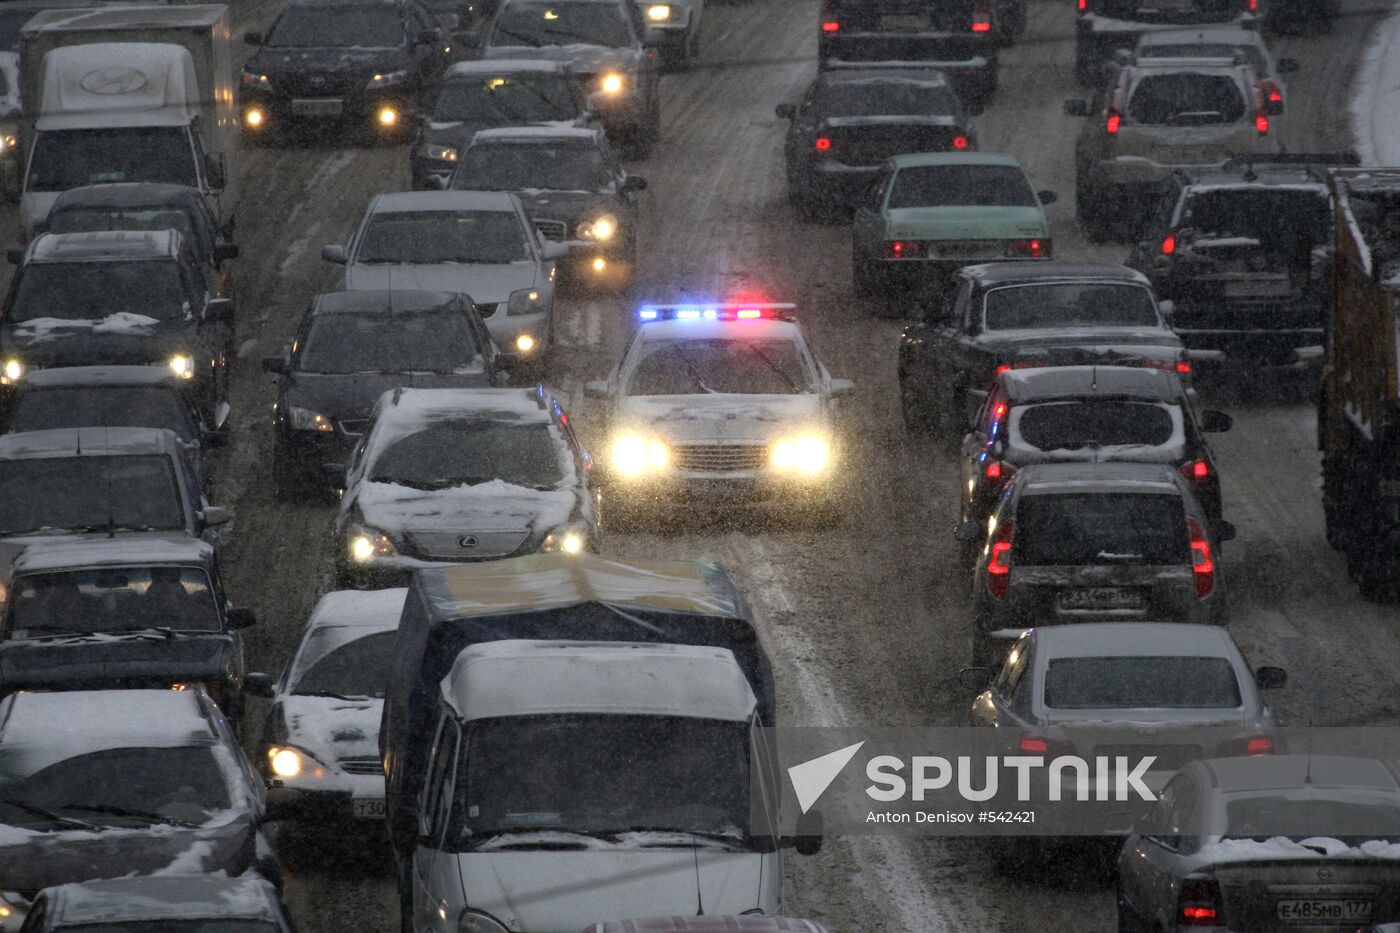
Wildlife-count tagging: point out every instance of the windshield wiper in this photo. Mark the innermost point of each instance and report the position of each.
(528, 40)
(350, 697)
(1125, 558)
(774, 366)
(132, 814)
(476, 838)
(694, 373)
(49, 815)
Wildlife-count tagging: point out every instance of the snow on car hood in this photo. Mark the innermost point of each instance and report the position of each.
(493, 506)
(484, 283)
(40, 329)
(571, 890)
(332, 729)
(721, 417)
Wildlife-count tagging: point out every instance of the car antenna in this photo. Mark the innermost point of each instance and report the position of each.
(107, 476)
(1094, 378)
(1307, 765)
(699, 890)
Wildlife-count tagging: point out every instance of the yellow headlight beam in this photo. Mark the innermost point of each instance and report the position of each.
(611, 83)
(659, 12)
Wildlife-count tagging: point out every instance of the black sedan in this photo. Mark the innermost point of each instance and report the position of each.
(850, 122)
(351, 348)
(369, 63)
(999, 316)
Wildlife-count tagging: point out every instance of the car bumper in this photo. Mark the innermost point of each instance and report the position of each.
(280, 111)
(698, 488)
(918, 273)
(330, 807)
(838, 182)
(1024, 611)
(1223, 349)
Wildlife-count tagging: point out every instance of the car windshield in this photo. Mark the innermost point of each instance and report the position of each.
(1264, 817)
(152, 786)
(507, 101)
(427, 237)
(721, 366)
(90, 493)
(562, 23)
(393, 342)
(94, 291)
(961, 186)
(1086, 423)
(118, 599)
(1185, 99)
(219, 925)
(1069, 304)
(471, 451)
(91, 219)
(1079, 529)
(563, 166)
(871, 96)
(606, 774)
(1277, 217)
(369, 26)
(1253, 56)
(1141, 683)
(358, 668)
(64, 159)
(103, 406)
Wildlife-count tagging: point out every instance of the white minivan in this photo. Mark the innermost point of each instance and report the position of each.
(571, 783)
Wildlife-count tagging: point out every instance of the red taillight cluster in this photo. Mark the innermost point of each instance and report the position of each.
(1169, 244)
(1261, 123)
(822, 144)
(1083, 6)
(1202, 565)
(981, 21)
(961, 142)
(1034, 249)
(1260, 745)
(1003, 368)
(999, 561)
(906, 249)
(1114, 121)
(1198, 903)
(1197, 471)
(1251, 6)
(1183, 367)
(830, 25)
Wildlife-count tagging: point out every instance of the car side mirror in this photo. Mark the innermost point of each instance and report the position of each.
(634, 183)
(1167, 307)
(334, 252)
(275, 364)
(975, 678)
(221, 413)
(241, 619)
(1047, 196)
(1286, 66)
(808, 840)
(842, 388)
(552, 249)
(1270, 678)
(253, 38)
(219, 309)
(439, 182)
(15, 254)
(1224, 531)
(596, 389)
(1078, 107)
(967, 532)
(213, 515)
(785, 111)
(1216, 422)
(223, 252)
(259, 685)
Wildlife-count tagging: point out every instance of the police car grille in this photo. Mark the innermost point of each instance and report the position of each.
(459, 545)
(361, 766)
(552, 229)
(719, 458)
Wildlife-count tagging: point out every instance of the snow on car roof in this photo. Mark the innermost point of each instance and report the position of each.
(378, 301)
(1051, 270)
(504, 66)
(401, 412)
(538, 582)
(151, 897)
(99, 376)
(1132, 639)
(537, 134)
(128, 194)
(364, 609)
(1030, 385)
(928, 76)
(521, 677)
(1293, 772)
(1107, 476)
(78, 553)
(105, 245)
(443, 201)
(1208, 35)
(72, 442)
(78, 721)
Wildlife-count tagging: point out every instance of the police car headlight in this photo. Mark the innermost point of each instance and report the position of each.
(802, 454)
(612, 83)
(304, 419)
(635, 455)
(526, 301)
(439, 153)
(602, 228)
(387, 79)
(14, 370)
(182, 365)
(569, 539)
(365, 544)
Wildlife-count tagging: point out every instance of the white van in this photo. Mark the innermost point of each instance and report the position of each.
(571, 783)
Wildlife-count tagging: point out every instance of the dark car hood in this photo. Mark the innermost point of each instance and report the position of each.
(569, 205)
(85, 343)
(583, 59)
(275, 62)
(39, 860)
(99, 661)
(352, 395)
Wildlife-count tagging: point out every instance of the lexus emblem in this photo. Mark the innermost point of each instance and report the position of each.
(118, 79)
(466, 541)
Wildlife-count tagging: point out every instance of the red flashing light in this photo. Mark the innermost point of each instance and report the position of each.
(1262, 745)
(823, 144)
(1112, 123)
(1000, 411)
(564, 420)
(1261, 123)
(1251, 6)
(831, 25)
(1083, 6)
(1201, 563)
(1034, 746)
(961, 142)
(1003, 368)
(1169, 244)
(999, 564)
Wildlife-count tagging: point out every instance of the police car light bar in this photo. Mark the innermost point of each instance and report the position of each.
(731, 312)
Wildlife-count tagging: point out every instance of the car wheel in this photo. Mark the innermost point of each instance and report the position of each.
(912, 407)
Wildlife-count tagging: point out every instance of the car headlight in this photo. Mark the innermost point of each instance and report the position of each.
(567, 539)
(526, 301)
(804, 454)
(252, 79)
(612, 83)
(286, 762)
(13, 910)
(440, 153)
(635, 455)
(9, 138)
(365, 544)
(603, 228)
(182, 365)
(474, 922)
(388, 79)
(13, 371)
(304, 419)
(660, 12)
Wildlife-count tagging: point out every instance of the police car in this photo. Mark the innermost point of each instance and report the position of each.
(723, 400)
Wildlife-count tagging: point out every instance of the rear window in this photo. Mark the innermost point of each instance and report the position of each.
(1075, 425)
(961, 186)
(1266, 817)
(1186, 99)
(1141, 683)
(1081, 529)
(1278, 216)
(872, 96)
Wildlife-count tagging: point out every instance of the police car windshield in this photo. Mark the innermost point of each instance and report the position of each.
(398, 341)
(555, 166)
(368, 26)
(507, 101)
(541, 24)
(429, 237)
(94, 291)
(961, 186)
(721, 366)
(1069, 304)
(884, 98)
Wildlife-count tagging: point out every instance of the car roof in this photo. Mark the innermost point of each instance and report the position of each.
(504, 66)
(426, 406)
(379, 301)
(677, 330)
(524, 677)
(538, 134)
(105, 245)
(1203, 35)
(82, 553)
(710, 924)
(370, 610)
(245, 897)
(345, 3)
(995, 273)
(429, 201)
(921, 159)
(1133, 639)
(1106, 476)
(129, 194)
(74, 442)
(929, 76)
(106, 376)
(79, 721)
(1259, 174)
(1030, 385)
(1294, 772)
(1208, 65)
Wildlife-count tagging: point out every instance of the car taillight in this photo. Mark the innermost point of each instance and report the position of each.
(1115, 120)
(961, 142)
(1002, 368)
(1198, 903)
(1250, 6)
(906, 249)
(996, 471)
(1035, 745)
(1261, 123)
(830, 25)
(1197, 471)
(1035, 249)
(1169, 244)
(1083, 6)
(1202, 566)
(981, 21)
(1260, 745)
(822, 144)
(1183, 368)
(999, 561)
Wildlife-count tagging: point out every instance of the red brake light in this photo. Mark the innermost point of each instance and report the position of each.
(831, 25)
(1196, 470)
(1034, 746)
(1169, 244)
(1112, 123)
(1275, 95)
(1034, 249)
(1183, 367)
(999, 563)
(1261, 123)
(981, 23)
(1198, 903)
(905, 249)
(823, 144)
(1262, 745)
(1083, 6)
(1202, 565)
(961, 142)
(1251, 6)
(1003, 368)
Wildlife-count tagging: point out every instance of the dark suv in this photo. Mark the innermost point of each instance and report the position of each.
(1104, 26)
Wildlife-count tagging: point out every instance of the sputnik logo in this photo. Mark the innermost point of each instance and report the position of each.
(811, 778)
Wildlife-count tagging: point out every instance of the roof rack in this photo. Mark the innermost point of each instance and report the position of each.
(1314, 163)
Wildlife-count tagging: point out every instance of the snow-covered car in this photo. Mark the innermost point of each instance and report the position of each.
(1291, 842)
(722, 401)
(108, 784)
(165, 903)
(97, 613)
(455, 475)
(319, 751)
(476, 243)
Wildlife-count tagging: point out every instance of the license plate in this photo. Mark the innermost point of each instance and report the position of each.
(1256, 288)
(1309, 909)
(964, 248)
(906, 22)
(318, 108)
(367, 809)
(1101, 597)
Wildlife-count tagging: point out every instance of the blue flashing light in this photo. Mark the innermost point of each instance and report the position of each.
(647, 314)
(687, 314)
